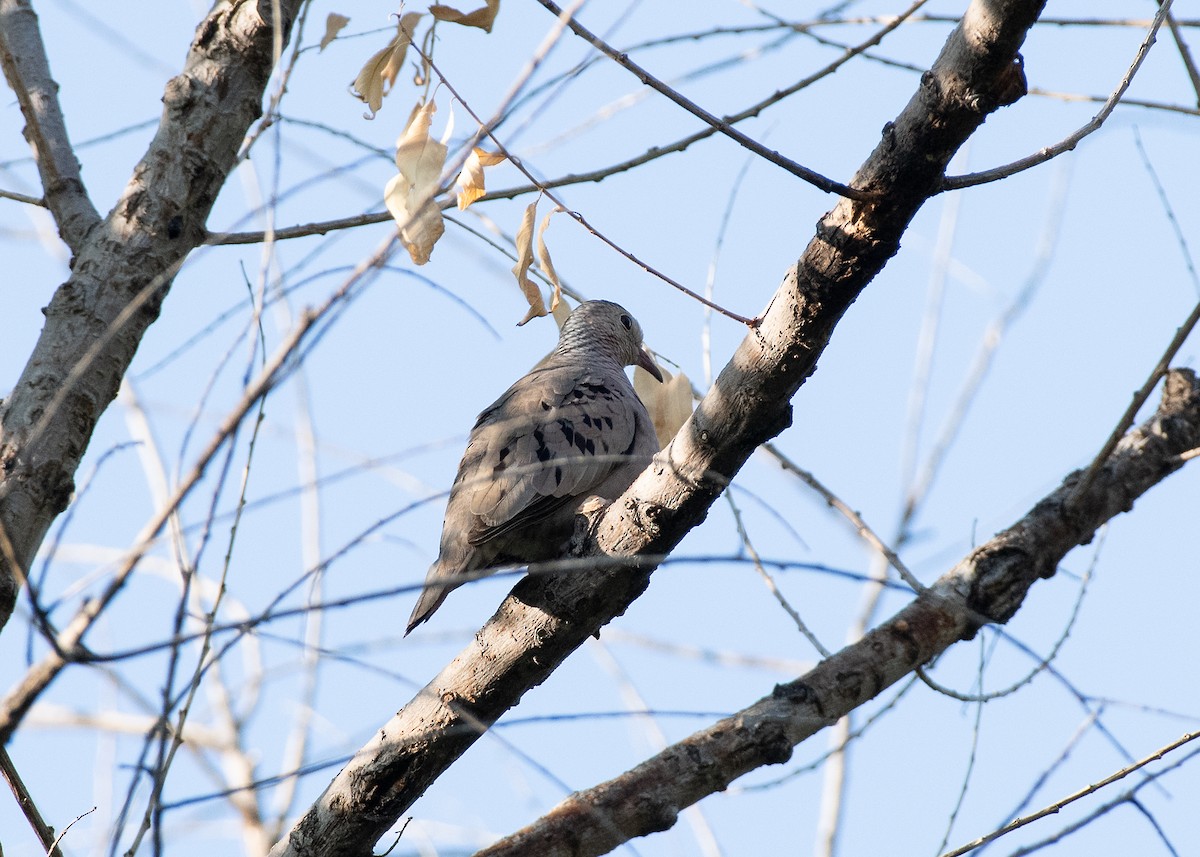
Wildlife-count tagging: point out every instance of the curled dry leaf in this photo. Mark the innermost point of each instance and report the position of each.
(483, 17)
(537, 307)
(379, 74)
(333, 25)
(669, 403)
(560, 313)
(409, 195)
(546, 264)
(470, 180)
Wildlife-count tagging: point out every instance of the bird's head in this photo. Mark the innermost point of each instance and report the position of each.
(607, 328)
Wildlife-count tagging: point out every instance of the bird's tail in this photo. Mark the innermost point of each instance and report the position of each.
(437, 587)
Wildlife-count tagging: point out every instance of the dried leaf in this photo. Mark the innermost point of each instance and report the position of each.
(669, 403)
(379, 74)
(333, 25)
(470, 180)
(483, 17)
(409, 195)
(537, 307)
(561, 312)
(546, 264)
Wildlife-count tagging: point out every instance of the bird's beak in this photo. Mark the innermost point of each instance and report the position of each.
(646, 361)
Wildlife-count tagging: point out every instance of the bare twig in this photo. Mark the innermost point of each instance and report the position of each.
(772, 586)
(1185, 54)
(23, 56)
(989, 584)
(1181, 335)
(122, 271)
(1125, 102)
(926, 347)
(1058, 806)
(1181, 241)
(1070, 142)
(322, 227)
(1042, 664)
(1045, 21)
(1083, 730)
(171, 739)
(20, 197)
(45, 833)
(547, 618)
(706, 840)
(68, 645)
(856, 520)
(918, 491)
(296, 747)
(974, 751)
(485, 128)
(722, 125)
(302, 230)
(1140, 397)
(54, 850)
(283, 77)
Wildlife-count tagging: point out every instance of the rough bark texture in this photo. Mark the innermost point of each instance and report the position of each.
(545, 619)
(988, 585)
(28, 75)
(122, 266)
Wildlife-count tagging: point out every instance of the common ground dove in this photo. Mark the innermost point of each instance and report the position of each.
(571, 429)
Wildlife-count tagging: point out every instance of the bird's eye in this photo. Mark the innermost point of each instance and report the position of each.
(627, 321)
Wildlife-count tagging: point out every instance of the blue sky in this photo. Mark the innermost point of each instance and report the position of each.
(390, 390)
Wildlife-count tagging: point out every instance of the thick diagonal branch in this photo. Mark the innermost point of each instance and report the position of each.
(545, 619)
(122, 270)
(988, 585)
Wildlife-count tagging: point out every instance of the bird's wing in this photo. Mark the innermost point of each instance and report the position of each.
(553, 437)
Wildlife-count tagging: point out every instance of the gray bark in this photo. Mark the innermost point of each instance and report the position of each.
(546, 618)
(988, 585)
(122, 266)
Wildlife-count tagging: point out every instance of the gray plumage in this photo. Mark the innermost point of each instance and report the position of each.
(570, 429)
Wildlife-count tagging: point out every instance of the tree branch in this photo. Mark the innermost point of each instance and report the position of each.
(596, 175)
(1069, 143)
(23, 56)
(122, 271)
(988, 585)
(546, 618)
(724, 126)
(45, 833)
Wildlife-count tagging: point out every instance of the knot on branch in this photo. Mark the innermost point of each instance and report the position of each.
(1180, 404)
(1002, 574)
(1011, 85)
(587, 519)
(796, 692)
(656, 814)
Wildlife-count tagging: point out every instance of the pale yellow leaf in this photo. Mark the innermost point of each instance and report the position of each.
(537, 307)
(561, 312)
(420, 231)
(412, 117)
(409, 195)
(470, 180)
(376, 78)
(546, 264)
(333, 25)
(483, 17)
(669, 403)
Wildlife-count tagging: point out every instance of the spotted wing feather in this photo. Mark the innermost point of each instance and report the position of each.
(528, 468)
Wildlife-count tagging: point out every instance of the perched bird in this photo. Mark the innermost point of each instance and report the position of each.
(571, 429)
